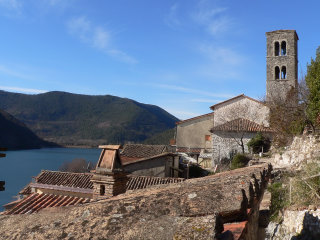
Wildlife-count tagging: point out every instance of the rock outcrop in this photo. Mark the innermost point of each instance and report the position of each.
(301, 150)
(304, 224)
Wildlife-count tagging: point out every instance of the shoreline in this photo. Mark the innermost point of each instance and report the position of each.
(78, 146)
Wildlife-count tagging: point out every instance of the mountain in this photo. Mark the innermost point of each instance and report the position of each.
(162, 138)
(15, 135)
(75, 119)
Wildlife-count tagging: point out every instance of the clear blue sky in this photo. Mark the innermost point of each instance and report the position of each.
(182, 55)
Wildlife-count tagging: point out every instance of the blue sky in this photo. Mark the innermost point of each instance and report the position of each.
(182, 55)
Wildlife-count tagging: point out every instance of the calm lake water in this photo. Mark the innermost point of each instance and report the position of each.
(18, 167)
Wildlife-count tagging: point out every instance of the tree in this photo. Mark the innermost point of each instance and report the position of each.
(288, 120)
(76, 165)
(313, 83)
(259, 143)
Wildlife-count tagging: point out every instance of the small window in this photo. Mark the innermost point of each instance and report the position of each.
(276, 48)
(102, 190)
(283, 48)
(283, 72)
(277, 72)
(208, 138)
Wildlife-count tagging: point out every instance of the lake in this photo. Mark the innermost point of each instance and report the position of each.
(18, 167)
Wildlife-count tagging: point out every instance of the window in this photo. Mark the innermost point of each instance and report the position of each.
(283, 72)
(283, 48)
(277, 72)
(276, 49)
(207, 137)
(102, 190)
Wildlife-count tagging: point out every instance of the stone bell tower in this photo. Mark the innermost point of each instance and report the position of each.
(282, 66)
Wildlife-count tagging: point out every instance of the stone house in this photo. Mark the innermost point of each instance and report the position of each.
(194, 138)
(236, 120)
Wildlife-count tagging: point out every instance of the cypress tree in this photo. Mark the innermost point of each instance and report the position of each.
(313, 83)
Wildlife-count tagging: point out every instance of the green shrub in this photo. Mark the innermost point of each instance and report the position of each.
(239, 161)
(259, 143)
(279, 200)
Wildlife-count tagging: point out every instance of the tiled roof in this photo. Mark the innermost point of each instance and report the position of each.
(26, 190)
(46, 180)
(142, 150)
(140, 182)
(241, 125)
(36, 201)
(67, 179)
(236, 228)
(188, 150)
(195, 118)
(239, 96)
(61, 188)
(128, 160)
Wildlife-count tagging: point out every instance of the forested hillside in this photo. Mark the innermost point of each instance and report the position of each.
(15, 135)
(74, 119)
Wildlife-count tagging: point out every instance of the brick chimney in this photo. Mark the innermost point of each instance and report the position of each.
(109, 179)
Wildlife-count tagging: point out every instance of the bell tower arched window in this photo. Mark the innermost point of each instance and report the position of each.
(283, 72)
(277, 72)
(276, 49)
(283, 48)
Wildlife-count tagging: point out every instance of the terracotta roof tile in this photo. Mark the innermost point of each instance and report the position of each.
(241, 125)
(141, 182)
(189, 150)
(36, 202)
(237, 229)
(67, 179)
(142, 150)
(26, 190)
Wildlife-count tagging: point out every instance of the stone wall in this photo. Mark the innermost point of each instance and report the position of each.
(158, 167)
(109, 185)
(225, 142)
(296, 225)
(241, 108)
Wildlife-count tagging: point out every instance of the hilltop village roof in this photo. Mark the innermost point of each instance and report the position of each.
(72, 182)
(133, 153)
(241, 125)
(164, 212)
(141, 150)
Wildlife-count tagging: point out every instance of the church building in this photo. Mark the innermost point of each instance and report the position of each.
(232, 123)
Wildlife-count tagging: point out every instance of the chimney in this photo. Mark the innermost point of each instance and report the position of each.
(109, 178)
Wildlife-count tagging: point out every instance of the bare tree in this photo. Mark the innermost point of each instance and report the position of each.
(289, 118)
(76, 165)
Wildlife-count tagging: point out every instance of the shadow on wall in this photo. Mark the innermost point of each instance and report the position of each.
(311, 228)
